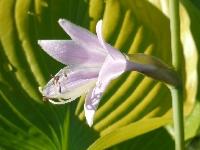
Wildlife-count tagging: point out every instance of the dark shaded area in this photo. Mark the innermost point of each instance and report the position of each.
(194, 144)
(155, 140)
(80, 134)
(196, 3)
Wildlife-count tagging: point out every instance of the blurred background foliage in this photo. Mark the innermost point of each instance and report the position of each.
(133, 112)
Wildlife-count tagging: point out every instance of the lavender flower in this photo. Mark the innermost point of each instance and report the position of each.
(91, 65)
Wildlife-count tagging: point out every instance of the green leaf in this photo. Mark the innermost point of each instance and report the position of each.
(192, 124)
(127, 132)
(157, 139)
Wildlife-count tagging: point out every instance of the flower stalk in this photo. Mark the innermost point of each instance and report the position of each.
(176, 92)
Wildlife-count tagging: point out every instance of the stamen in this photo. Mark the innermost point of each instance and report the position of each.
(60, 101)
(55, 79)
(65, 74)
(57, 103)
(45, 99)
(59, 88)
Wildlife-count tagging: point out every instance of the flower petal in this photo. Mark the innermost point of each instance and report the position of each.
(115, 54)
(90, 108)
(70, 53)
(110, 70)
(81, 36)
(70, 83)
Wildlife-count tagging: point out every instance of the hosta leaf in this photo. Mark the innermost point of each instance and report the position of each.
(127, 132)
(192, 123)
(158, 137)
(132, 102)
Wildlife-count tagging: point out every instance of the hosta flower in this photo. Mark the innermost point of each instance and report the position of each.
(91, 65)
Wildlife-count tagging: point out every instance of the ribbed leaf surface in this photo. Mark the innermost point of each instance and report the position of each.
(131, 106)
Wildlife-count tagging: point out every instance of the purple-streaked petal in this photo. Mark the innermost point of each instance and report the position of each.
(115, 54)
(81, 36)
(70, 83)
(110, 70)
(70, 53)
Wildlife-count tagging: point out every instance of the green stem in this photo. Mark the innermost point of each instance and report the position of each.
(175, 32)
(176, 92)
(177, 104)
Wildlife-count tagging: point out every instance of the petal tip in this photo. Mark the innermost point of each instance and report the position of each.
(39, 42)
(40, 89)
(42, 43)
(63, 23)
(99, 26)
(90, 123)
(100, 22)
(61, 20)
(89, 114)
